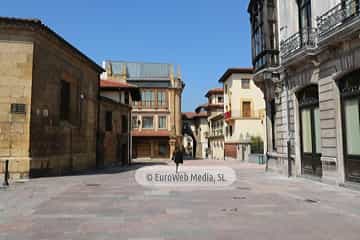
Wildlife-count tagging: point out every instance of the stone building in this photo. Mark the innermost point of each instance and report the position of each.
(307, 61)
(156, 119)
(244, 114)
(48, 101)
(114, 136)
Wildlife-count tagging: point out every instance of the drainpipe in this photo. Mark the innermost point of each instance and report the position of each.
(288, 127)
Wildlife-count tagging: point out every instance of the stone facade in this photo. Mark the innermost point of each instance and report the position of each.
(114, 141)
(316, 82)
(35, 62)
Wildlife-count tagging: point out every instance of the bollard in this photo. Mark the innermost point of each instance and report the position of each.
(6, 175)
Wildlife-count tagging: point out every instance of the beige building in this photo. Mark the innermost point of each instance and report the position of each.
(244, 114)
(214, 109)
(216, 137)
(48, 101)
(156, 119)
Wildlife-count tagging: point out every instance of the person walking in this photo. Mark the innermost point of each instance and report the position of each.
(178, 157)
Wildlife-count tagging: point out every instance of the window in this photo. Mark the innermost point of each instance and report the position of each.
(134, 122)
(148, 98)
(161, 98)
(64, 100)
(127, 98)
(18, 108)
(162, 122)
(304, 15)
(124, 124)
(246, 109)
(264, 34)
(148, 122)
(226, 88)
(231, 130)
(245, 83)
(108, 121)
(220, 99)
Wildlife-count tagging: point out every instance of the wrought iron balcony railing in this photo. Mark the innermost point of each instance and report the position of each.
(300, 40)
(337, 16)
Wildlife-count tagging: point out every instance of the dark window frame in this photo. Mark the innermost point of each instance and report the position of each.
(309, 100)
(65, 100)
(144, 117)
(108, 121)
(349, 87)
(124, 124)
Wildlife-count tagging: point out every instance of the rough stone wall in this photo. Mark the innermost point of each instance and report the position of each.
(16, 61)
(116, 141)
(59, 146)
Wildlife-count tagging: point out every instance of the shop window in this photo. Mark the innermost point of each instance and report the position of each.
(352, 125)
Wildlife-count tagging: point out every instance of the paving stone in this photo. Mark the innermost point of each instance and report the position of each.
(258, 205)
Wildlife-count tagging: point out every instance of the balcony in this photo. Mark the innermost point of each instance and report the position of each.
(305, 40)
(266, 59)
(340, 16)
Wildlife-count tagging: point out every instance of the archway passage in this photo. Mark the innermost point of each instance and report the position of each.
(310, 130)
(350, 107)
(188, 132)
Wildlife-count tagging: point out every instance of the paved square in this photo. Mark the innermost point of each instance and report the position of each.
(111, 205)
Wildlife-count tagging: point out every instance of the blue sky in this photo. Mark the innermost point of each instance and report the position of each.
(204, 36)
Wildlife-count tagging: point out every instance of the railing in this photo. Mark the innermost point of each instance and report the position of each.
(337, 16)
(304, 39)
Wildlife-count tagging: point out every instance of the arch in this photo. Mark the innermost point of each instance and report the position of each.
(187, 131)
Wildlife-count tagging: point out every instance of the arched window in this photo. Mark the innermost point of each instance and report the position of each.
(350, 98)
(310, 130)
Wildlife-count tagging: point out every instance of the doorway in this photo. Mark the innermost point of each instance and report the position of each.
(310, 131)
(350, 101)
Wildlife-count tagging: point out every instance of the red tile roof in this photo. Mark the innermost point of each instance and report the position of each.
(151, 133)
(230, 71)
(214, 91)
(115, 84)
(192, 115)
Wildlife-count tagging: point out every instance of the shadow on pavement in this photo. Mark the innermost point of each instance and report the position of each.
(106, 170)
